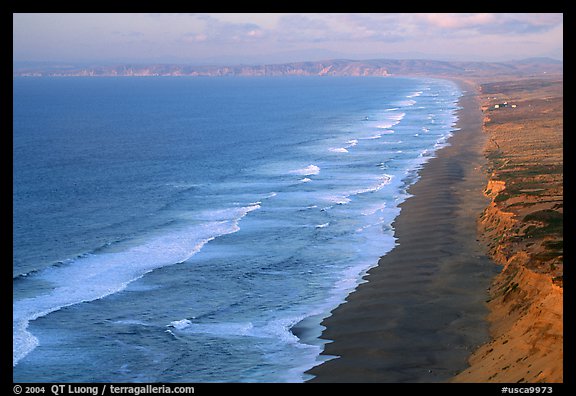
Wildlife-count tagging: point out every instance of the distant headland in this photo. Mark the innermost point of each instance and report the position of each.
(334, 67)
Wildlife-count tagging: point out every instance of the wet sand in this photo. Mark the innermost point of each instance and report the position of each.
(423, 309)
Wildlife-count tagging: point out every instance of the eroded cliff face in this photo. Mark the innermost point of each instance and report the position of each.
(522, 228)
(495, 224)
(526, 310)
(526, 322)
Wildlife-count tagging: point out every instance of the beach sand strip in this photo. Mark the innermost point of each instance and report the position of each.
(423, 308)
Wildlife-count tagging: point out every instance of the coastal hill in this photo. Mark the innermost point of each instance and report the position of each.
(335, 67)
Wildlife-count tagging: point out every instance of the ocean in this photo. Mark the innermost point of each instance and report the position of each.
(200, 229)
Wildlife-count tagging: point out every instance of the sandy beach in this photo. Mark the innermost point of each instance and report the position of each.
(423, 309)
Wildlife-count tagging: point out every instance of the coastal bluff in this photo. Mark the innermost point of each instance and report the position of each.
(522, 228)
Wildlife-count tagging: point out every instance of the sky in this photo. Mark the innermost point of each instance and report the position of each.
(250, 38)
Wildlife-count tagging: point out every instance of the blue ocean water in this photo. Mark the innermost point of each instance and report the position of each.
(199, 229)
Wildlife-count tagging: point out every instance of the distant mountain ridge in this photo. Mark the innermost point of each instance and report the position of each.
(333, 67)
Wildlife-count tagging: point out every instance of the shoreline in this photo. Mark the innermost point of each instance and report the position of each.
(422, 311)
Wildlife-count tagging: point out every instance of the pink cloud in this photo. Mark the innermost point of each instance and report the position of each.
(492, 23)
(458, 21)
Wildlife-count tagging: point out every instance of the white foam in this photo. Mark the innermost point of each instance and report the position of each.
(349, 144)
(345, 198)
(306, 180)
(391, 120)
(277, 329)
(95, 276)
(307, 171)
(226, 214)
(323, 225)
(382, 182)
(338, 199)
(397, 117)
(371, 210)
(415, 94)
(181, 324)
(183, 185)
(131, 322)
(406, 103)
(215, 329)
(23, 342)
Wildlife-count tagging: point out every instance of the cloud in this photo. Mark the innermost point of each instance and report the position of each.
(304, 22)
(222, 31)
(245, 35)
(334, 28)
(300, 27)
(195, 37)
(528, 23)
(129, 34)
(376, 27)
(457, 21)
(489, 23)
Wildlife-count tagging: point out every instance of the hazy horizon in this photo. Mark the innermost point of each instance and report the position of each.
(261, 38)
